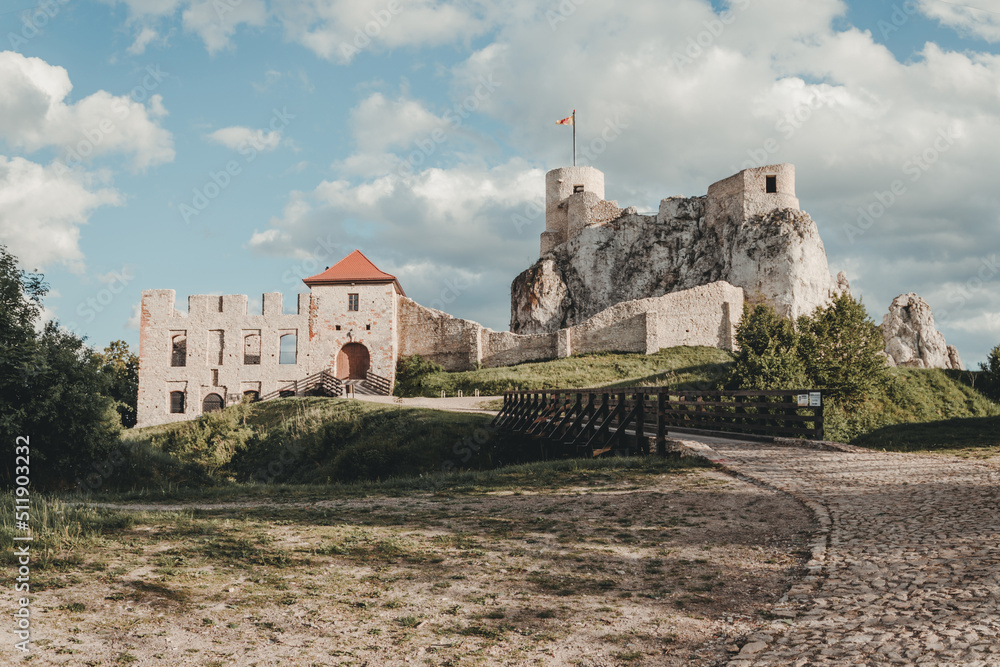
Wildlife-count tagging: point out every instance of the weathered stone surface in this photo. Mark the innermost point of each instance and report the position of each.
(777, 255)
(911, 338)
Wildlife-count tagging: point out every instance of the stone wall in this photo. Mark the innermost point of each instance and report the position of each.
(452, 342)
(205, 371)
(218, 349)
(706, 315)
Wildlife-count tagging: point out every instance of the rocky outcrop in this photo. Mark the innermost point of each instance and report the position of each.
(911, 338)
(777, 256)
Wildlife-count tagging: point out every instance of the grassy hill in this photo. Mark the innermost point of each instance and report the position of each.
(306, 440)
(683, 367)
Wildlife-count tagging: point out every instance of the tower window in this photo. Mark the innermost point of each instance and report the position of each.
(577, 188)
(368, 327)
(771, 185)
(352, 302)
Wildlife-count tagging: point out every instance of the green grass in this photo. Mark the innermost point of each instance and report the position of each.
(914, 396)
(965, 436)
(683, 367)
(305, 441)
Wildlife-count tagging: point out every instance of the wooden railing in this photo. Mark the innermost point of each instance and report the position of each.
(318, 384)
(637, 419)
(378, 384)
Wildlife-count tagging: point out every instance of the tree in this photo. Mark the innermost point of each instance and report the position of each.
(840, 347)
(991, 374)
(767, 358)
(51, 388)
(121, 368)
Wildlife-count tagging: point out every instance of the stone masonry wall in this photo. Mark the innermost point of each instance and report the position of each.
(322, 325)
(203, 374)
(705, 315)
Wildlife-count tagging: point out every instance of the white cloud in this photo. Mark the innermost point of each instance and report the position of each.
(340, 29)
(134, 318)
(379, 123)
(981, 20)
(240, 138)
(36, 115)
(145, 37)
(214, 21)
(42, 208)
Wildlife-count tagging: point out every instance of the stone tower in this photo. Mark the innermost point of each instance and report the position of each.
(560, 187)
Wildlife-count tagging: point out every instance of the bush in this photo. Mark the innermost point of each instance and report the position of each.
(410, 373)
(840, 348)
(768, 356)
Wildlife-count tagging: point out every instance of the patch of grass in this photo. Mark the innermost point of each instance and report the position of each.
(963, 436)
(682, 367)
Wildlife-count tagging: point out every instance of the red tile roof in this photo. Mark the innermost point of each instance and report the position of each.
(355, 268)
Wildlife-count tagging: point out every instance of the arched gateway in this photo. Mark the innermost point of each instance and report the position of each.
(353, 362)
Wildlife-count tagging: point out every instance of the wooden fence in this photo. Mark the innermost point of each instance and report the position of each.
(595, 422)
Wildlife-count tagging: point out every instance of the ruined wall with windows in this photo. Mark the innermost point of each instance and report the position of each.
(217, 353)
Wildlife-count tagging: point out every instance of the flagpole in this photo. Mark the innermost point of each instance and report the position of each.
(574, 137)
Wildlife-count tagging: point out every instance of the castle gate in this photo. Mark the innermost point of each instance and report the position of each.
(353, 361)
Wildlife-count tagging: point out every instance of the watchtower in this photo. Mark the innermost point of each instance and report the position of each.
(560, 185)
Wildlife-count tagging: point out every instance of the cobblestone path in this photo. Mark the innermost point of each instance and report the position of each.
(905, 568)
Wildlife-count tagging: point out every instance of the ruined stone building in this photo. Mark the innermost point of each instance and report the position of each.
(607, 279)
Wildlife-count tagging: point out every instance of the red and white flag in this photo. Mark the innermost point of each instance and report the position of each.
(568, 120)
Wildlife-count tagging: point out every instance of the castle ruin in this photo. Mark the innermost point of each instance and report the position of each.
(608, 279)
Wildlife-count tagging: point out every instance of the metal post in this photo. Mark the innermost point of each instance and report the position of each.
(574, 137)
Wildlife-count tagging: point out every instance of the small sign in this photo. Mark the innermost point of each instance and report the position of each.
(815, 399)
(803, 400)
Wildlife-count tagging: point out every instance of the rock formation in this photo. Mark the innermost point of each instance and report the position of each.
(758, 241)
(911, 338)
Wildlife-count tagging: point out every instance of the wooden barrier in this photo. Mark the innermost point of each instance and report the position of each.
(596, 422)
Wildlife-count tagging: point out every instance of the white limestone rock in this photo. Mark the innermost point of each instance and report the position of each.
(911, 338)
(778, 256)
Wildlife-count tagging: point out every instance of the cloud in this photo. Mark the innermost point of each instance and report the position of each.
(145, 37)
(379, 123)
(36, 115)
(981, 21)
(239, 138)
(134, 318)
(42, 209)
(340, 29)
(214, 21)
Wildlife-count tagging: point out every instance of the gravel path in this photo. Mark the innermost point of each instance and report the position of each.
(906, 565)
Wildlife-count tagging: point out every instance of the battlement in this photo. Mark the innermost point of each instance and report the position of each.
(161, 303)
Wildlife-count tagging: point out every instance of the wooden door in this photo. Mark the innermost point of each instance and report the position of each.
(353, 362)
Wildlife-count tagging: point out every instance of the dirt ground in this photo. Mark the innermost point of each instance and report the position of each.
(669, 569)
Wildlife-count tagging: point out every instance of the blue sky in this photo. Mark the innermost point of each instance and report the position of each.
(233, 146)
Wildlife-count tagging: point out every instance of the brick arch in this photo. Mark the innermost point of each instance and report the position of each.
(353, 362)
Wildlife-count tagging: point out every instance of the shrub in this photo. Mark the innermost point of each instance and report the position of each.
(768, 352)
(840, 348)
(410, 373)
